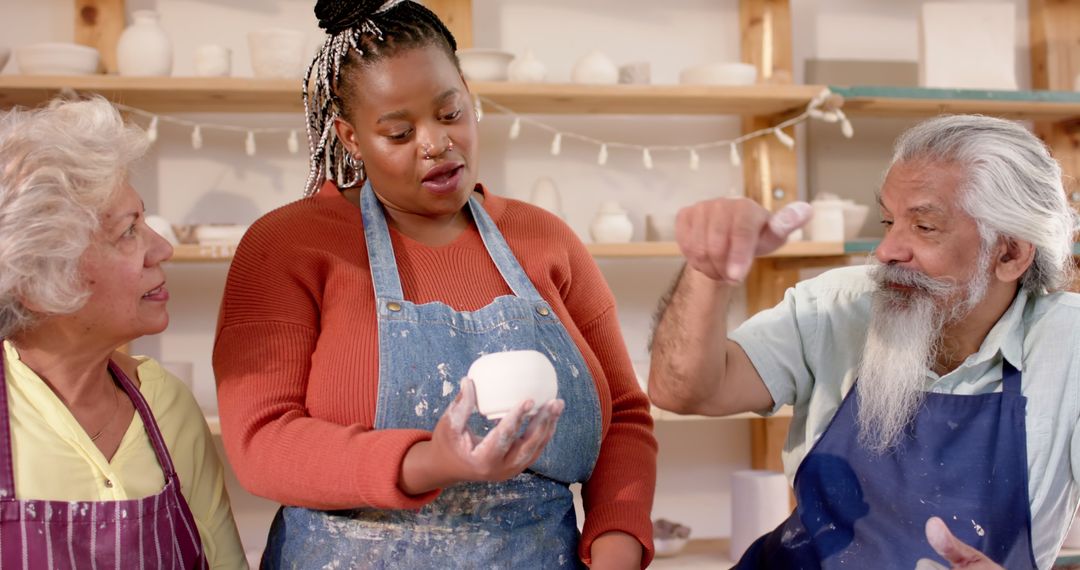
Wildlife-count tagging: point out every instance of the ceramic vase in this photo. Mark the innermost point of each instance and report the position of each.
(527, 69)
(546, 195)
(596, 68)
(144, 48)
(611, 224)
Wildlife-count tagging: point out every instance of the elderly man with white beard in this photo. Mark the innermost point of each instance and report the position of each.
(936, 390)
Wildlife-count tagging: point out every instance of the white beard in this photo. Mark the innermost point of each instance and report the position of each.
(902, 345)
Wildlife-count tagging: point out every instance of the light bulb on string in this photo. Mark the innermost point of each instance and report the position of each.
(556, 144)
(515, 128)
(151, 131)
(784, 138)
(646, 159)
(249, 144)
(293, 142)
(845, 125)
(695, 160)
(196, 137)
(733, 155)
(601, 159)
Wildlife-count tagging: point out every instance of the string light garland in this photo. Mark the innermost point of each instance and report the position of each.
(824, 107)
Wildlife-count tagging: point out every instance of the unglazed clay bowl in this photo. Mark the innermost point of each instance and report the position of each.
(504, 380)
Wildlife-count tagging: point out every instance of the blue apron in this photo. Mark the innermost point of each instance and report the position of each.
(424, 351)
(964, 459)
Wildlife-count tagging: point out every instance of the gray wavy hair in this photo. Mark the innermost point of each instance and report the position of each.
(1012, 188)
(59, 166)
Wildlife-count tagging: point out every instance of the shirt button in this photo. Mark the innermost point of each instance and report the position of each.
(108, 483)
(395, 307)
(543, 311)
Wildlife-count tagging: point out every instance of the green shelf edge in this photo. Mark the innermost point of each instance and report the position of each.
(956, 94)
(867, 246)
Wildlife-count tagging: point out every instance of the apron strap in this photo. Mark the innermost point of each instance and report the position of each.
(500, 253)
(1010, 378)
(7, 463)
(156, 440)
(384, 273)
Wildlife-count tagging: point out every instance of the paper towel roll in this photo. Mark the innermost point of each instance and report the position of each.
(759, 503)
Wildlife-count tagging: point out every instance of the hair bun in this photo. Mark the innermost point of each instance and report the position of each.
(337, 15)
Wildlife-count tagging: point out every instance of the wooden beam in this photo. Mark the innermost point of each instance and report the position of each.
(98, 24)
(770, 171)
(457, 15)
(1055, 64)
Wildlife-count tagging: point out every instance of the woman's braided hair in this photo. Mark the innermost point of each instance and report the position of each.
(358, 32)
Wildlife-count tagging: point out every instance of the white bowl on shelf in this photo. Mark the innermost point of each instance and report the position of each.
(219, 234)
(726, 73)
(854, 218)
(479, 64)
(664, 547)
(54, 58)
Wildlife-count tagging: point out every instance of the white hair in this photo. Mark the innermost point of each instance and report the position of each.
(59, 166)
(1012, 187)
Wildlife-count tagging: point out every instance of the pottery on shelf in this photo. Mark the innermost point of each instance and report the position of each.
(546, 195)
(527, 69)
(836, 219)
(504, 380)
(636, 73)
(596, 68)
(163, 228)
(144, 48)
(479, 64)
(611, 224)
(277, 53)
(213, 61)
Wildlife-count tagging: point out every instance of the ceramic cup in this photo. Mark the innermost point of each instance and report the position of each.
(277, 53)
(504, 380)
(213, 61)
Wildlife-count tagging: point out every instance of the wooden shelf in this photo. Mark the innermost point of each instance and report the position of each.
(247, 95)
(699, 554)
(925, 102)
(666, 416)
(187, 253)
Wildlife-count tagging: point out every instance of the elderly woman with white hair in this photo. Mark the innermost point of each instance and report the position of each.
(105, 459)
(935, 391)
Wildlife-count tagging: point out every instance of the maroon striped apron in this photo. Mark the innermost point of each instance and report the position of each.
(154, 532)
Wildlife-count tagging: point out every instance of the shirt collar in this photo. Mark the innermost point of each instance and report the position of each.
(1006, 337)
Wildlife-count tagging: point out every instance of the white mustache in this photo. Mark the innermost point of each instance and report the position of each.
(886, 274)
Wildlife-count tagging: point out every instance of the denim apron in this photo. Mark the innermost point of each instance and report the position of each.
(964, 459)
(424, 351)
(153, 532)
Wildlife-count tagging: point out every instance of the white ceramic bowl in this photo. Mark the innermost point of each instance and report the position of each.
(56, 59)
(277, 53)
(485, 64)
(504, 380)
(664, 547)
(719, 74)
(5, 53)
(854, 218)
(219, 234)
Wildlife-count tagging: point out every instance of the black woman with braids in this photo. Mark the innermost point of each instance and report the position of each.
(350, 319)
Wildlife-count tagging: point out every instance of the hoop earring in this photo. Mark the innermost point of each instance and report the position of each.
(357, 166)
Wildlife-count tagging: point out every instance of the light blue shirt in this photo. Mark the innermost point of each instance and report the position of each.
(807, 349)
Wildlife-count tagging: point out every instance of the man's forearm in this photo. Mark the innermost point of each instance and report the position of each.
(689, 345)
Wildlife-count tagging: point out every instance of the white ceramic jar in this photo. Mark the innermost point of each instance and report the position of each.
(527, 69)
(611, 224)
(144, 48)
(596, 68)
(546, 195)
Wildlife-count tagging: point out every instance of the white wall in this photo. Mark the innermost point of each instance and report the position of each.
(219, 183)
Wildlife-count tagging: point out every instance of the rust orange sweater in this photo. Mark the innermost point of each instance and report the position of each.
(296, 357)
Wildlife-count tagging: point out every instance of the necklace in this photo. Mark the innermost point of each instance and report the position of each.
(108, 422)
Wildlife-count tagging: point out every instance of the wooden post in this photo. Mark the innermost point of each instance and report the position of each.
(98, 24)
(457, 15)
(1055, 63)
(770, 175)
(770, 170)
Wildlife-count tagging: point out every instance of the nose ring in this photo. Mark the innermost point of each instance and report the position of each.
(428, 154)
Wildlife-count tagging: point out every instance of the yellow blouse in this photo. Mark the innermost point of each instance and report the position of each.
(46, 439)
